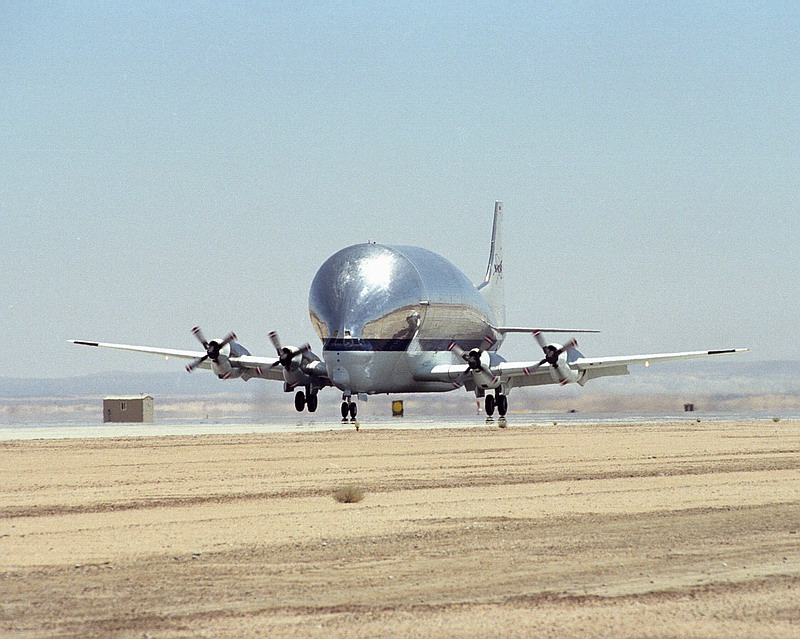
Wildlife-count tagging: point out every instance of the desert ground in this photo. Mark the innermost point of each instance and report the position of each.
(645, 530)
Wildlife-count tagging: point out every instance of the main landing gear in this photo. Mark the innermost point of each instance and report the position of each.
(303, 400)
(349, 409)
(499, 401)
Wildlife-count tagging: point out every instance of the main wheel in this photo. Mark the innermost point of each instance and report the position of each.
(353, 410)
(489, 405)
(502, 404)
(345, 409)
(300, 401)
(311, 402)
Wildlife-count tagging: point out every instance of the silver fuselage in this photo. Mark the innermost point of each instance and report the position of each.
(386, 313)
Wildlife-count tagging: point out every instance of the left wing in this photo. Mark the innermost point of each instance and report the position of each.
(580, 369)
(587, 363)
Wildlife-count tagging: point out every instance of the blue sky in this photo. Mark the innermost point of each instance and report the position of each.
(166, 165)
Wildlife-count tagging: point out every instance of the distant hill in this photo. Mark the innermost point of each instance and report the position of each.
(726, 375)
(179, 384)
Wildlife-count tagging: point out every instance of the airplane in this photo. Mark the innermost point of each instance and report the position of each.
(402, 319)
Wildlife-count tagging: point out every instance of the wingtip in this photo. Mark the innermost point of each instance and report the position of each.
(728, 351)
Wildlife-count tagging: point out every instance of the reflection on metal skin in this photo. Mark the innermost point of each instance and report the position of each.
(376, 297)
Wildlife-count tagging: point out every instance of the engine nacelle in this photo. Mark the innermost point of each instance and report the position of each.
(559, 368)
(222, 368)
(485, 380)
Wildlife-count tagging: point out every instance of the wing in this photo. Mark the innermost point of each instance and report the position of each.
(165, 352)
(255, 366)
(588, 363)
(536, 373)
(530, 374)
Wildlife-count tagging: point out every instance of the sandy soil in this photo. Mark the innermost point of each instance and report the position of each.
(651, 530)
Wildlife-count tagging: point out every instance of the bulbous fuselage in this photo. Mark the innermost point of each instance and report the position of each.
(384, 312)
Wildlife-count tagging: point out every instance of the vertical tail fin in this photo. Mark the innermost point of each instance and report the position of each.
(492, 285)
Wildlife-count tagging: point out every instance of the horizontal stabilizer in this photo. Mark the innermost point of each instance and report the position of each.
(522, 329)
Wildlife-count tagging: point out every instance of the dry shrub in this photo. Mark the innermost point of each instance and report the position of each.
(349, 494)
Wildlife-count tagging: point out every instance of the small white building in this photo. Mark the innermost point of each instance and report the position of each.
(133, 408)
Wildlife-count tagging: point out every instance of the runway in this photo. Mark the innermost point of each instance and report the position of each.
(658, 529)
(304, 422)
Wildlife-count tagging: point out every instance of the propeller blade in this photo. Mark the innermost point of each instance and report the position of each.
(562, 378)
(227, 340)
(452, 346)
(305, 352)
(573, 343)
(198, 333)
(276, 342)
(460, 353)
(540, 339)
(192, 365)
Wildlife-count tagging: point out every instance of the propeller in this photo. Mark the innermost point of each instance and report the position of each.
(212, 348)
(286, 354)
(473, 359)
(552, 354)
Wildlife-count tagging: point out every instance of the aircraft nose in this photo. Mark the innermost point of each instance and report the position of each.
(365, 291)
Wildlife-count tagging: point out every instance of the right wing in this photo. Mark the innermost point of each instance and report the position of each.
(165, 352)
(249, 365)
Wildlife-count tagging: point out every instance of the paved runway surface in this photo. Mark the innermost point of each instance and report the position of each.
(321, 422)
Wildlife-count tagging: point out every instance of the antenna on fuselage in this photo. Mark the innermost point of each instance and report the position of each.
(492, 285)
